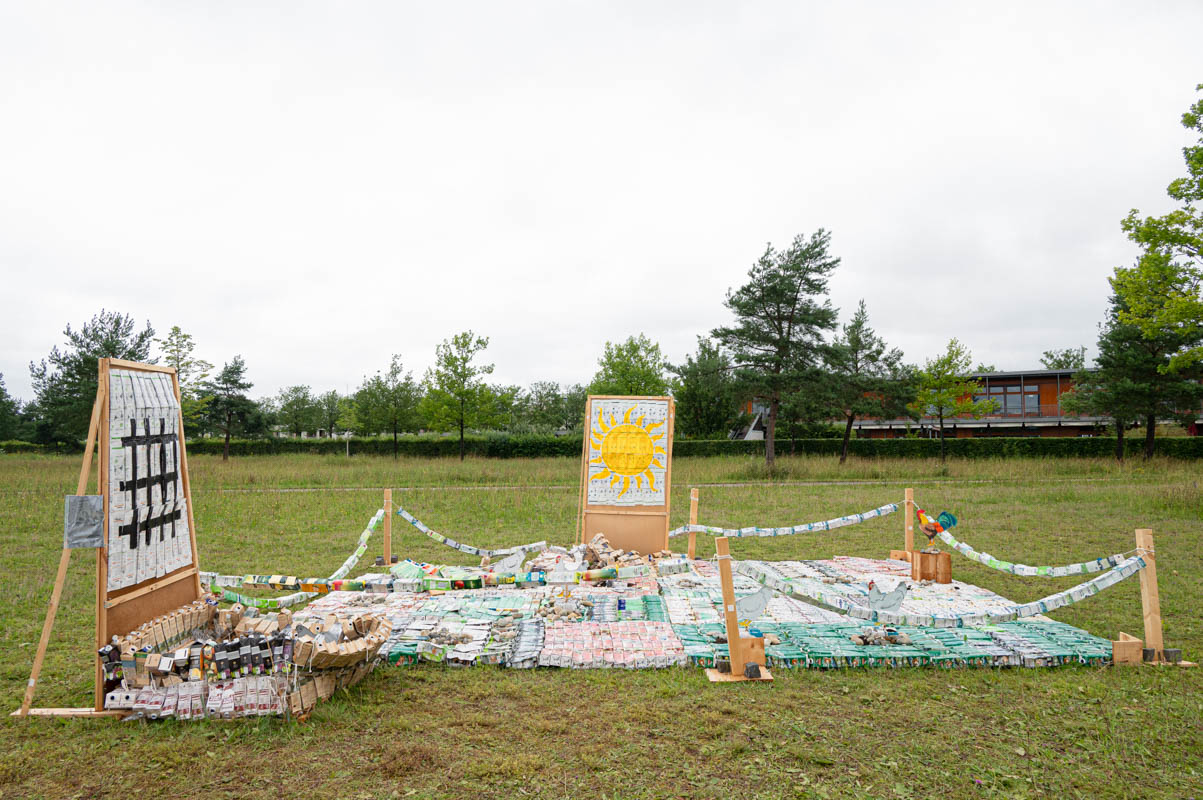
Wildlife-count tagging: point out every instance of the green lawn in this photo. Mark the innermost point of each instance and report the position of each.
(482, 732)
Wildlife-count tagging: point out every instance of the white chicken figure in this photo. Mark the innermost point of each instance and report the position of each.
(753, 605)
(511, 563)
(886, 601)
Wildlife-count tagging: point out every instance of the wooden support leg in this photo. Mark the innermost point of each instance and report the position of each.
(693, 520)
(1150, 601)
(908, 529)
(47, 626)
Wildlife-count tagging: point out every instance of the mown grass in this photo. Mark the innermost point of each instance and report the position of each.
(439, 732)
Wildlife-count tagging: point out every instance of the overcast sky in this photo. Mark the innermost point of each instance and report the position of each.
(317, 186)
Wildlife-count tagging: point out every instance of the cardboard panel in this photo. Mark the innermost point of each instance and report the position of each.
(626, 471)
(641, 533)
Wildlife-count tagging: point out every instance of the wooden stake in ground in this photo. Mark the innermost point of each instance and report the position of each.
(734, 643)
(1150, 601)
(908, 525)
(693, 520)
(388, 527)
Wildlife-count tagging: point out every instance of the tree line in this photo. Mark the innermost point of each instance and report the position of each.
(784, 347)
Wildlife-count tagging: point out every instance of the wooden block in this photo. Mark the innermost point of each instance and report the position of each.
(729, 677)
(944, 568)
(1127, 650)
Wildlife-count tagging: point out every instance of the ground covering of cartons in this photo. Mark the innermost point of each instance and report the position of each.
(433, 731)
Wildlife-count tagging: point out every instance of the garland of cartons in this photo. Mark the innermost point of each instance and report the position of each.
(309, 588)
(1081, 568)
(245, 665)
(1125, 569)
(467, 548)
(809, 527)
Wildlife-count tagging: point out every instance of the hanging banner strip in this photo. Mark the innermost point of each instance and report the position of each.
(1006, 613)
(310, 586)
(1082, 568)
(809, 527)
(534, 547)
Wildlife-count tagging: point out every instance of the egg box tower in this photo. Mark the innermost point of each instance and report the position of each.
(140, 523)
(626, 471)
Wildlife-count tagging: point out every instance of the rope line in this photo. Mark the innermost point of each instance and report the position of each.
(827, 525)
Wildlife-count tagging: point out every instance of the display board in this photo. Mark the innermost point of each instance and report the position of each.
(147, 565)
(626, 471)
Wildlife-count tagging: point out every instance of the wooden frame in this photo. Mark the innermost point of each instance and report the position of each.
(122, 610)
(640, 528)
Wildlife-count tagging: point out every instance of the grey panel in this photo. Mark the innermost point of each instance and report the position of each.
(83, 521)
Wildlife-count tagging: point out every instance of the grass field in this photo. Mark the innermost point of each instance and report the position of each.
(484, 732)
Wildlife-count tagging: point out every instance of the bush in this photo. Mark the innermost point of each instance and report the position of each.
(502, 445)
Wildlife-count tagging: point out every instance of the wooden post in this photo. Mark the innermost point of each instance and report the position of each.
(693, 520)
(908, 529)
(1150, 601)
(734, 643)
(388, 527)
(61, 576)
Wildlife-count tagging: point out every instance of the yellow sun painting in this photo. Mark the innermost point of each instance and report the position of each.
(628, 451)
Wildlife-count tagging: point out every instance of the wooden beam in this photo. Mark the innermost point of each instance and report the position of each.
(693, 520)
(734, 643)
(1150, 601)
(908, 525)
(166, 580)
(71, 712)
(60, 577)
(388, 527)
(102, 555)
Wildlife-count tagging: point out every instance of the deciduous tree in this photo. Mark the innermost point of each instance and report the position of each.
(388, 402)
(1067, 358)
(633, 367)
(297, 409)
(455, 396)
(946, 390)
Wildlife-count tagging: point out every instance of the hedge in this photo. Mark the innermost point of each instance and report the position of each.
(530, 446)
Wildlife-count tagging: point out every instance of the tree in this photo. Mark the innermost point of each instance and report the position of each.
(1133, 382)
(634, 367)
(228, 408)
(706, 392)
(945, 390)
(575, 397)
(64, 383)
(388, 402)
(869, 379)
(191, 372)
(455, 396)
(330, 411)
(1164, 291)
(10, 413)
(1069, 358)
(297, 409)
(781, 314)
(541, 407)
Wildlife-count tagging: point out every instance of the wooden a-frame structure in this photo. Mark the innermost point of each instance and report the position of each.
(121, 611)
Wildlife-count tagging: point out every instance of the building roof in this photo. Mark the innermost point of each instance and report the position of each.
(1030, 373)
